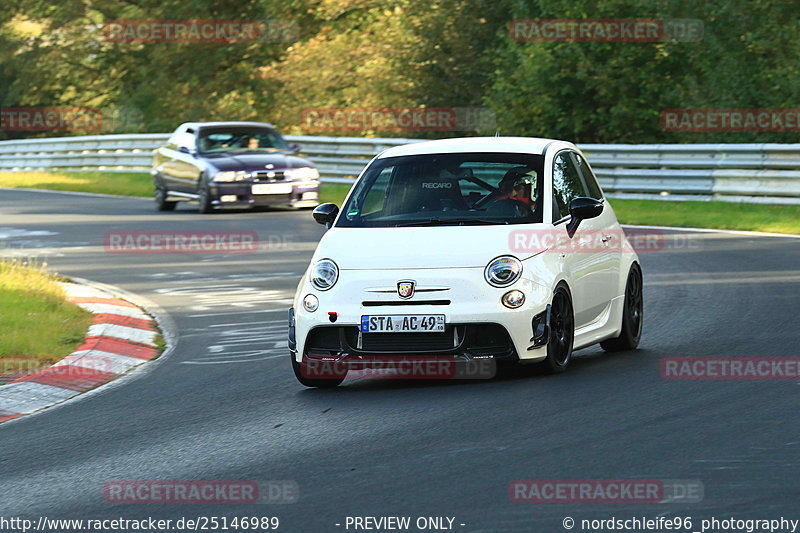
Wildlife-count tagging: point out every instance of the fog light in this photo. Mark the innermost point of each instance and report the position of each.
(513, 299)
(310, 195)
(228, 198)
(310, 303)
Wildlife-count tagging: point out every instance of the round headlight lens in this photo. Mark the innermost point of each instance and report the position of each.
(324, 274)
(503, 271)
(513, 299)
(310, 303)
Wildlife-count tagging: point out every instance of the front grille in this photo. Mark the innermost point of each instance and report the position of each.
(377, 303)
(403, 342)
(472, 340)
(264, 175)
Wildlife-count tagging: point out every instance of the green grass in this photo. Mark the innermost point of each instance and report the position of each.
(37, 325)
(719, 215)
(122, 183)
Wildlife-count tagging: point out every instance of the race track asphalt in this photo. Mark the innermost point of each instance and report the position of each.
(224, 405)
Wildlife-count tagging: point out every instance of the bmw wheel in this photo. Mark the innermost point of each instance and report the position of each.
(204, 200)
(161, 200)
(632, 314)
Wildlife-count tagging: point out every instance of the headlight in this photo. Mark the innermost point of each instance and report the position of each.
(231, 175)
(310, 303)
(324, 274)
(513, 299)
(503, 271)
(302, 173)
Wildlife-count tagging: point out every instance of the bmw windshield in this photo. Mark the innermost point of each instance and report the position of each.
(447, 189)
(240, 139)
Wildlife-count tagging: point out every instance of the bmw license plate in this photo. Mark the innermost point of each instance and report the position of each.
(402, 323)
(272, 188)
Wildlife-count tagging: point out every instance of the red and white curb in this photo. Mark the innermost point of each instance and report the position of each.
(121, 337)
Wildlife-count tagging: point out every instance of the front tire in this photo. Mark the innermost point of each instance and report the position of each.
(562, 333)
(336, 374)
(204, 200)
(632, 315)
(161, 200)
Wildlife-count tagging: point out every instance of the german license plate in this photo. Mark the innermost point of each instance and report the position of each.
(402, 323)
(272, 188)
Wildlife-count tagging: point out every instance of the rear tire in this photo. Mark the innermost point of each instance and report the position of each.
(632, 315)
(562, 333)
(301, 373)
(161, 200)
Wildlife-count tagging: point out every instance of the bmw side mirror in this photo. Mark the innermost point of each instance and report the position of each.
(325, 214)
(295, 148)
(186, 150)
(581, 209)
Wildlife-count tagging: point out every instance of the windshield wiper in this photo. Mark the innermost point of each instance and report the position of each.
(453, 222)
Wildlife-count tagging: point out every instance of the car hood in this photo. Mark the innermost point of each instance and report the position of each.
(418, 247)
(255, 161)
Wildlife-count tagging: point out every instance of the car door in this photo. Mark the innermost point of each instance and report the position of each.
(609, 231)
(185, 167)
(584, 253)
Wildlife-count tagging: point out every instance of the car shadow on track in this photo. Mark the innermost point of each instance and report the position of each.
(593, 363)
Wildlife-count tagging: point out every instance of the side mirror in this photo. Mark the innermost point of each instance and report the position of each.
(295, 148)
(185, 150)
(581, 209)
(325, 214)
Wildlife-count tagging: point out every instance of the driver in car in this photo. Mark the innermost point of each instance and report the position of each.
(516, 186)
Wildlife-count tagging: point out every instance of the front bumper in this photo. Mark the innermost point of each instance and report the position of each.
(478, 326)
(240, 194)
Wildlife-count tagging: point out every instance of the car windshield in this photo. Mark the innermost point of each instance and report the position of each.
(218, 140)
(447, 189)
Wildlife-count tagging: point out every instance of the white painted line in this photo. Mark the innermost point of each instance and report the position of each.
(231, 362)
(248, 312)
(114, 310)
(26, 397)
(142, 336)
(712, 230)
(102, 361)
(73, 193)
(81, 291)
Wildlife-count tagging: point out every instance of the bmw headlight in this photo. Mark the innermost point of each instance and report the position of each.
(231, 175)
(503, 271)
(302, 173)
(324, 274)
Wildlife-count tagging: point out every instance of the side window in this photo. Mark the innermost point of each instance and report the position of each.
(590, 186)
(375, 198)
(567, 184)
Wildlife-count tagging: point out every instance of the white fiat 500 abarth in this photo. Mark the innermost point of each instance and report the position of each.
(499, 248)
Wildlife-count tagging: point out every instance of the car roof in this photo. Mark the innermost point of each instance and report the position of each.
(525, 145)
(196, 125)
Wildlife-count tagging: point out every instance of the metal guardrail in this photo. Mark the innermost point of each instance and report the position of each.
(755, 173)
